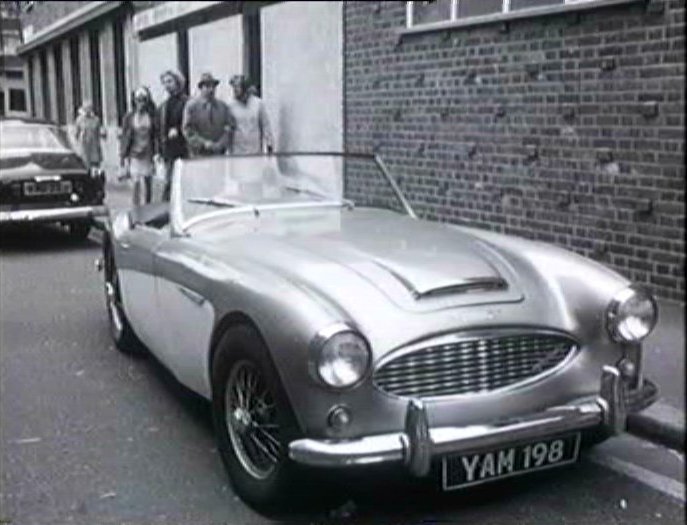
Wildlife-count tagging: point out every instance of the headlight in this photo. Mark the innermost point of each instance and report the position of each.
(343, 357)
(631, 315)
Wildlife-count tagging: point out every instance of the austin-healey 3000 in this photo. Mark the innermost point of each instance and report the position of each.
(332, 329)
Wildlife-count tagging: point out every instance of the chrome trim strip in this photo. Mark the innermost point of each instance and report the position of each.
(196, 298)
(417, 444)
(461, 337)
(52, 214)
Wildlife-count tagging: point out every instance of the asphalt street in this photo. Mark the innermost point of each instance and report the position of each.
(90, 436)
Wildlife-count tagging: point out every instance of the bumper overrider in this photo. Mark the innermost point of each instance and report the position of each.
(418, 443)
(52, 214)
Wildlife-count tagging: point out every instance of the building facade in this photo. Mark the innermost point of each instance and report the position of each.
(13, 101)
(558, 120)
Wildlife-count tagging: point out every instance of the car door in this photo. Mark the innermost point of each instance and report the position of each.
(137, 281)
(188, 316)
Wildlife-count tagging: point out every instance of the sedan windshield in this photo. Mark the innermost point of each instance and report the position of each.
(30, 137)
(211, 187)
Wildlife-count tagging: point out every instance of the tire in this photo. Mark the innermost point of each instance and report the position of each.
(79, 230)
(263, 476)
(122, 333)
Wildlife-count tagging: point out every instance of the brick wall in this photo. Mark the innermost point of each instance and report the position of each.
(567, 128)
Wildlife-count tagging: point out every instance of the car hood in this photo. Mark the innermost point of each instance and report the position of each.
(418, 265)
(22, 163)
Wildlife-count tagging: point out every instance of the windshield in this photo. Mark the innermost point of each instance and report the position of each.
(216, 186)
(30, 136)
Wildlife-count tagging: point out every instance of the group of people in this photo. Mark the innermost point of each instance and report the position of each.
(179, 128)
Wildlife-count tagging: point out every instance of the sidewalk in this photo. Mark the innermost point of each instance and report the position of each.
(664, 364)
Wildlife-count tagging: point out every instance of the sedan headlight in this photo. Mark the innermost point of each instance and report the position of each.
(631, 315)
(342, 357)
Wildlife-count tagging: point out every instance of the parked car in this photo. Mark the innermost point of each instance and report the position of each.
(42, 179)
(332, 328)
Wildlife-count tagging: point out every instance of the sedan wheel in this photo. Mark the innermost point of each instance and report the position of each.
(79, 229)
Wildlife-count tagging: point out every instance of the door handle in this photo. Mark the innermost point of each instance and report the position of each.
(124, 245)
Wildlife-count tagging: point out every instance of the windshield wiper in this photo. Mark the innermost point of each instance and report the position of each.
(304, 191)
(346, 203)
(214, 202)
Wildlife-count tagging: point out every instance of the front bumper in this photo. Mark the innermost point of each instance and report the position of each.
(418, 443)
(52, 214)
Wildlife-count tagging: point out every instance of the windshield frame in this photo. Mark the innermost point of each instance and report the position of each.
(180, 227)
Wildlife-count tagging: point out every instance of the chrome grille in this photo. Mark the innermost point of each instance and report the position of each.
(472, 364)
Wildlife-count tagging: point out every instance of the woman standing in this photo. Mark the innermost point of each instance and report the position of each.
(88, 135)
(138, 146)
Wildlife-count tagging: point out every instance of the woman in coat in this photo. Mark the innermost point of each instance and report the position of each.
(88, 134)
(139, 144)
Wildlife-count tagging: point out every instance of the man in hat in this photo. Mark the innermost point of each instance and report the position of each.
(208, 124)
(253, 132)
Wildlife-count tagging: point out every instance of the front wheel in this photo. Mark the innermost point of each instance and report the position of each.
(121, 331)
(254, 423)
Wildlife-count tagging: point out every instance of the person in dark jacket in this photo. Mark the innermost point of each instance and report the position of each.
(139, 143)
(170, 119)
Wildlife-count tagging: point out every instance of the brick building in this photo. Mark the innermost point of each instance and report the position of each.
(558, 120)
(554, 120)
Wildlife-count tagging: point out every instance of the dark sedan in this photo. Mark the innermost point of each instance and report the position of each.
(42, 179)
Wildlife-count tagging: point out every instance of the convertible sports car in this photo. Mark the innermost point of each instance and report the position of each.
(331, 328)
(43, 180)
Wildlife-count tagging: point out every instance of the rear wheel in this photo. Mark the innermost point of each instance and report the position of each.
(79, 229)
(255, 423)
(122, 334)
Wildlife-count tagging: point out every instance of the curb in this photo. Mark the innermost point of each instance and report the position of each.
(661, 424)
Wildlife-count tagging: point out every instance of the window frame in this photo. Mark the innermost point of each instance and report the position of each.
(505, 15)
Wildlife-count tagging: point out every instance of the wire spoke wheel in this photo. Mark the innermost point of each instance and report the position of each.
(251, 420)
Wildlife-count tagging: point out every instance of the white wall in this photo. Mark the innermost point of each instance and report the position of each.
(216, 48)
(153, 56)
(302, 74)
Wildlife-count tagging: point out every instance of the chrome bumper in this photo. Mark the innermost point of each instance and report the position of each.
(52, 214)
(418, 443)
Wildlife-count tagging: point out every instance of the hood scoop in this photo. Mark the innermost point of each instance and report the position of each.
(427, 283)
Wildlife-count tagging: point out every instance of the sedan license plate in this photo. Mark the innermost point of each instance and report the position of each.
(460, 471)
(48, 187)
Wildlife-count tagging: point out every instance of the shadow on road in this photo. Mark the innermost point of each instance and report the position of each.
(39, 238)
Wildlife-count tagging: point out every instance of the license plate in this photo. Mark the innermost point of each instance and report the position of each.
(465, 470)
(48, 187)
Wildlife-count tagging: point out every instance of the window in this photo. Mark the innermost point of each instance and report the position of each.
(96, 84)
(2, 103)
(59, 83)
(32, 86)
(252, 53)
(45, 86)
(75, 61)
(119, 67)
(17, 75)
(17, 100)
(433, 11)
